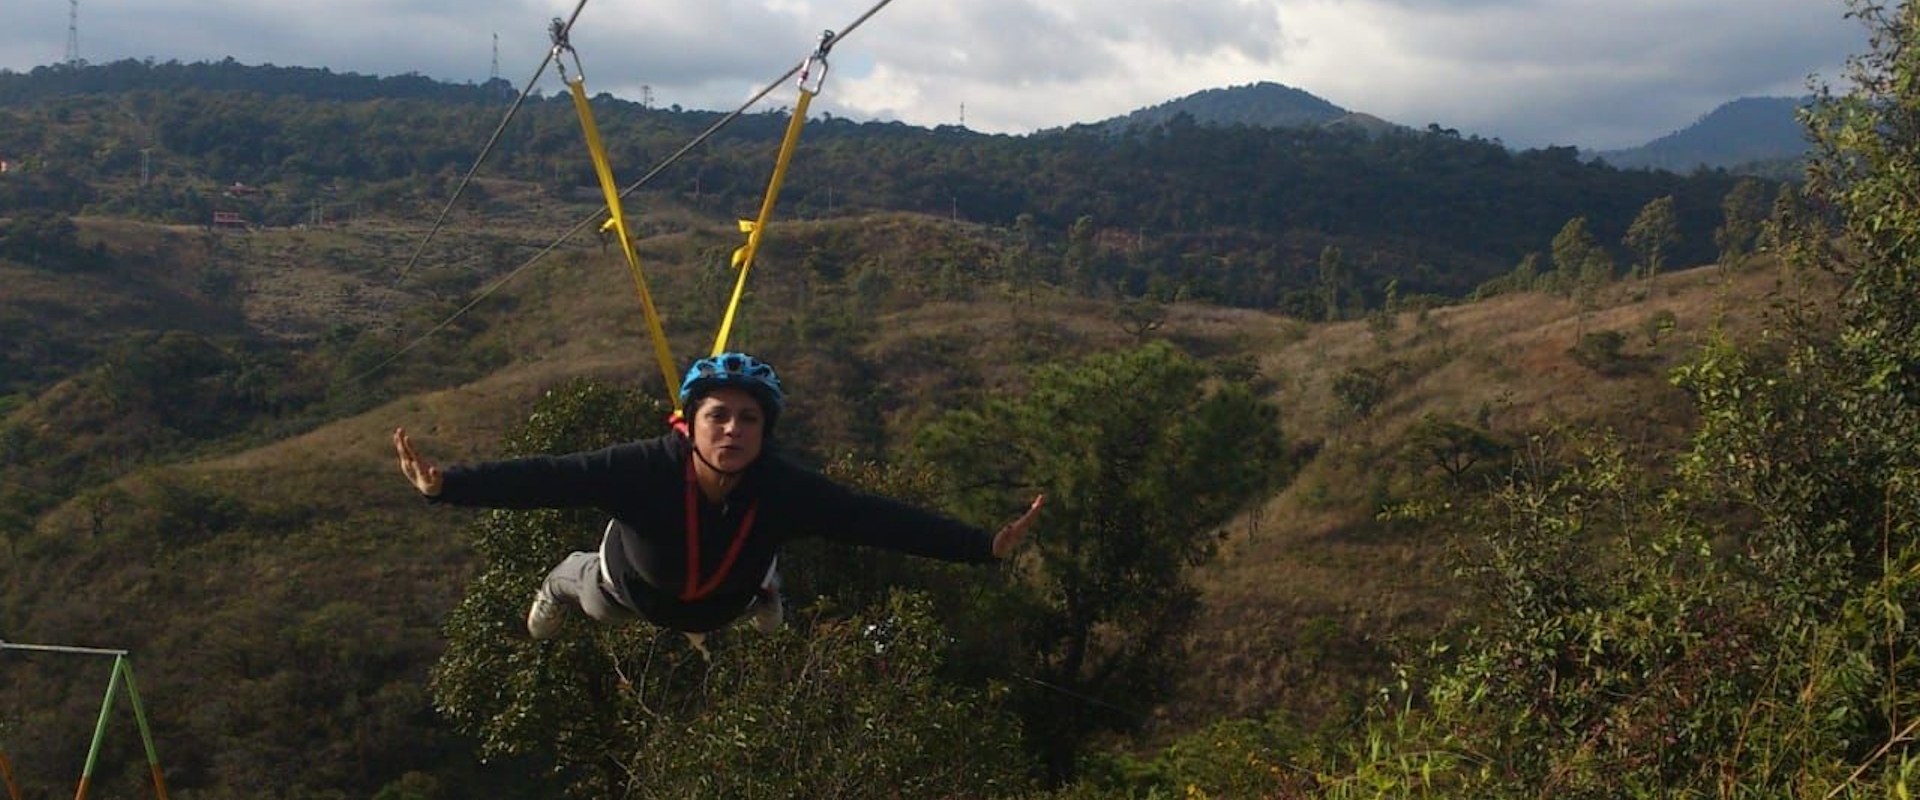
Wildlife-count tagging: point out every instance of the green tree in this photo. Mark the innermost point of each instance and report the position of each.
(1743, 211)
(1334, 278)
(1581, 266)
(1525, 277)
(1451, 446)
(848, 706)
(1018, 261)
(42, 238)
(1602, 351)
(1359, 390)
(1579, 263)
(1657, 325)
(1139, 316)
(1383, 321)
(1130, 449)
(558, 706)
(1078, 263)
(1651, 234)
(1526, 274)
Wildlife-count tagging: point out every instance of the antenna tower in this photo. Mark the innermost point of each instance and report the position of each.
(73, 33)
(492, 76)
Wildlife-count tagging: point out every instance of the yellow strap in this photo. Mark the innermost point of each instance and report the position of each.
(743, 257)
(618, 222)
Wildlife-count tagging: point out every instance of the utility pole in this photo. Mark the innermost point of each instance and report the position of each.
(491, 76)
(963, 115)
(73, 33)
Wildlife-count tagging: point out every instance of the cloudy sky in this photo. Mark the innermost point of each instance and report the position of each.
(1592, 73)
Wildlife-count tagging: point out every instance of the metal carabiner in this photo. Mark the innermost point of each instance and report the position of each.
(557, 32)
(814, 70)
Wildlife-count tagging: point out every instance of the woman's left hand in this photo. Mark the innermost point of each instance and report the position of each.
(420, 472)
(1010, 536)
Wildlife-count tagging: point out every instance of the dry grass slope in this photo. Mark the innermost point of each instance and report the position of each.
(1311, 591)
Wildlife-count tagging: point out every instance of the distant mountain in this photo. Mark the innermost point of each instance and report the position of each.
(1740, 133)
(1260, 105)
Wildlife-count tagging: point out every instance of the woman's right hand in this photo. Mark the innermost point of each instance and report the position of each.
(420, 472)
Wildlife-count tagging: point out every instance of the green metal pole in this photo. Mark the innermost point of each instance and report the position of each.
(100, 730)
(146, 733)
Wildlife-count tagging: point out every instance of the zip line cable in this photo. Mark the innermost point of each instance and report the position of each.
(610, 191)
(1133, 714)
(485, 150)
(630, 189)
(576, 228)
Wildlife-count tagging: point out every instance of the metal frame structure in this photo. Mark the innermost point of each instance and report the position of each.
(122, 671)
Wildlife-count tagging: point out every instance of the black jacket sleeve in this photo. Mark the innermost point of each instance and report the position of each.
(577, 480)
(842, 514)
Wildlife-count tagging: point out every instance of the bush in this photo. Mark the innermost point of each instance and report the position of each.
(1603, 352)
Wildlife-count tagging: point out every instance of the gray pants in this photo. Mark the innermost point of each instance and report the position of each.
(582, 578)
(578, 580)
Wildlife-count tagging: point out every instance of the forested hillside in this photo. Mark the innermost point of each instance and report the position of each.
(1390, 465)
(1238, 214)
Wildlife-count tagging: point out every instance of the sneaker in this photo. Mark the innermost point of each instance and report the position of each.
(543, 619)
(768, 611)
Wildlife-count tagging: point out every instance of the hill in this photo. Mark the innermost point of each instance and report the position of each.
(1752, 135)
(360, 577)
(1260, 105)
(1745, 132)
(55, 81)
(1435, 212)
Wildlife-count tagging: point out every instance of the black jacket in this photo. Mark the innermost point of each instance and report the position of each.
(644, 486)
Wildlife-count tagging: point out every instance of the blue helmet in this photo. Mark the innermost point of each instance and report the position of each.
(737, 370)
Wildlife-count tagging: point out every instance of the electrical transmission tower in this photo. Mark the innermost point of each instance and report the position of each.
(492, 76)
(73, 33)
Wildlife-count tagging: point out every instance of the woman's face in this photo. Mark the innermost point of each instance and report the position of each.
(729, 428)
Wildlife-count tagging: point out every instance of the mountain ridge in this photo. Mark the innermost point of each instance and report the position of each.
(1744, 131)
(1741, 132)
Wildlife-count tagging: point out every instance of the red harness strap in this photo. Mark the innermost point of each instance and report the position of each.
(695, 589)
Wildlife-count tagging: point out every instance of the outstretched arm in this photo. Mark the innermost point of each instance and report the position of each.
(844, 514)
(598, 478)
(420, 472)
(1015, 532)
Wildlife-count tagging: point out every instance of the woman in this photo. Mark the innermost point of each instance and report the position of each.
(699, 514)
